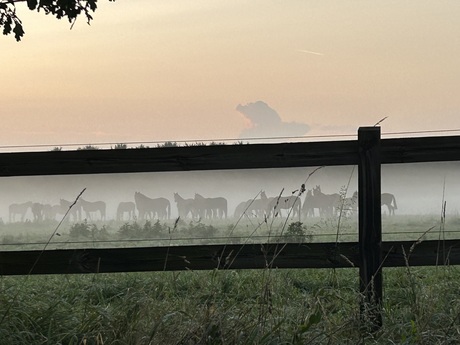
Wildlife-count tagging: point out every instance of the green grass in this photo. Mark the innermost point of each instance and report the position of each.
(421, 306)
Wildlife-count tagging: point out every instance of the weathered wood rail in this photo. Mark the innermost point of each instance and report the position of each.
(407, 150)
(232, 256)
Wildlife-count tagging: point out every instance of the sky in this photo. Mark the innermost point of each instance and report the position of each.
(158, 70)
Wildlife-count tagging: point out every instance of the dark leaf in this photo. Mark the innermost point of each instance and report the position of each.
(32, 4)
(18, 31)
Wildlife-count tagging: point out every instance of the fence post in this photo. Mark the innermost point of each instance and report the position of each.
(370, 225)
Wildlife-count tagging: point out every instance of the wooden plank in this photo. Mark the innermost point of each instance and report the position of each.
(424, 253)
(179, 158)
(370, 224)
(407, 150)
(206, 257)
(420, 150)
(235, 256)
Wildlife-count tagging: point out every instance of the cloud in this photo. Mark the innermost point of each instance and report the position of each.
(310, 52)
(264, 121)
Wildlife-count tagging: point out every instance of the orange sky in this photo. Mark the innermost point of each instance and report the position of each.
(159, 70)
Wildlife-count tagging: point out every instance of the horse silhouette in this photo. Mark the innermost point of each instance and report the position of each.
(328, 204)
(37, 211)
(290, 203)
(389, 201)
(74, 207)
(93, 207)
(350, 204)
(310, 203)
(19, 210)
(211, 207)
(51, 211)
(241, 209)
(386, 199)
(185, 206)
(126, 207)
(258, 207)
(149, 208)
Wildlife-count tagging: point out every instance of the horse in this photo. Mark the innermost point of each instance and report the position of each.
(37, 211)
(19, 209)
(350, 204)
(310, 204)
(389, 200)
(211, 207)
(51, 211)
(258, 207)
(279, 203)
(93, 207)
(386, 199)
(328, 204)
(128, 207)
(75, 211)
(185, 206)
(148, 207)
(241, 209)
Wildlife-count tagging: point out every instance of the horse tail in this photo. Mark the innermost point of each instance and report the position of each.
(394, 201)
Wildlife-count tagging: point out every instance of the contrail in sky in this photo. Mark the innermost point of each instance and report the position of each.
(310, 52)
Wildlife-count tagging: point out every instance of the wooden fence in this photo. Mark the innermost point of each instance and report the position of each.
(370, 254)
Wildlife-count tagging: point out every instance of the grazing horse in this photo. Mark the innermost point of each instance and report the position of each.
(241, 209)
(75, 211)
(258, 207)
(91, 207)
(185, 206)
(19, 209)
(211, 207)
(51, 211)
(389, 200)
(328, 204)
(128, 207)
(279, 203)
(148, 207)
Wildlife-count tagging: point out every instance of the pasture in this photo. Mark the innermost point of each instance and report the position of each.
(420, 306)
(117, 234)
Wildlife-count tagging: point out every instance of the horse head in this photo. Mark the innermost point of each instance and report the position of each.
(317, 190)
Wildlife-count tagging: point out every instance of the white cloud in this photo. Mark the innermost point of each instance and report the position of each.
(264, 121)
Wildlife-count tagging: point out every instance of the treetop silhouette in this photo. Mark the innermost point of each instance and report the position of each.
(70, 9)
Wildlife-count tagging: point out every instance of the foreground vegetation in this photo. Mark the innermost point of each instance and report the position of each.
(421, 306)
(271, 306)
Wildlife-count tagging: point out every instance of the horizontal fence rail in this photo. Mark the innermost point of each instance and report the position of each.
(245, 156)
(233, 256)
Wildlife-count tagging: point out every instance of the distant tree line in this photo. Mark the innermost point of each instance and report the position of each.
(122, 146)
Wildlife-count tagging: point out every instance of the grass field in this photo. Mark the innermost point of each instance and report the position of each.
(29, 235)
(270, 306)
(421, 306)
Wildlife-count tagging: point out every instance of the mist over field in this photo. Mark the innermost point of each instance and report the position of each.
(418, 188)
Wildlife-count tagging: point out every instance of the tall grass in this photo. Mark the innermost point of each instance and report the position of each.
(228, 307)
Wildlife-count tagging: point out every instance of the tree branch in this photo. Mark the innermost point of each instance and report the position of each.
(70, 9)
